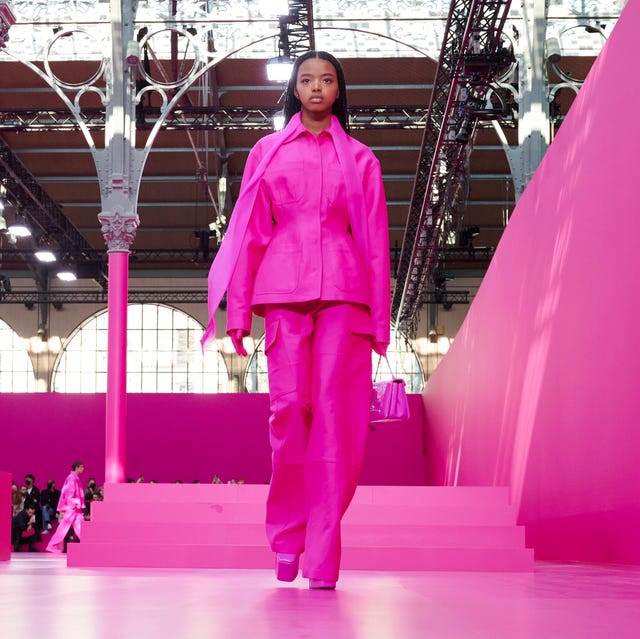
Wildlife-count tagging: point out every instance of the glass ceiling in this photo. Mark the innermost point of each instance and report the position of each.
(356, 28)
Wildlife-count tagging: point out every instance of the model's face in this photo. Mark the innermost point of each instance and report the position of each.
(317, 86)
(80, 469)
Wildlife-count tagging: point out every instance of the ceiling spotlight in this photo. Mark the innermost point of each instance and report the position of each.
(45, 256)
(19, 230)
(279, 68)
(67, 276)
(278, 121)
(273, 7)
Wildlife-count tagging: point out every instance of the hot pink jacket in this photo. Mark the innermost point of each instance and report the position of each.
(318, 229)
(71, 495)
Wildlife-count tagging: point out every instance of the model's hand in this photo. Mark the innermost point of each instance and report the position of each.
(236, 336)
(380, 348)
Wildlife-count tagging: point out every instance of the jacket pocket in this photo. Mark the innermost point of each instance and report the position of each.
(270, 335)
(285, 182)
(279, 270)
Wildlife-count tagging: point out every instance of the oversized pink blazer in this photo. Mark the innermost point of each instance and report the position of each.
(72, 494)
(285, 252)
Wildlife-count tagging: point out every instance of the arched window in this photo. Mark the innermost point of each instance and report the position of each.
(16, 369)
(402, 358)
(163, 355)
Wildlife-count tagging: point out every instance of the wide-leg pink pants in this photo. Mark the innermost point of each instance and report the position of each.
(319, 365)
(71, 518)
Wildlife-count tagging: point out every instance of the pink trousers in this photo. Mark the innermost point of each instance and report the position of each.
(319, 366)
(70, 518)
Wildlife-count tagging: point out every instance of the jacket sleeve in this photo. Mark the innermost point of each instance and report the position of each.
(256, 238)
(378, 268)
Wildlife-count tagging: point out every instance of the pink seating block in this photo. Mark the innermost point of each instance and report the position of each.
(5, 520)
(386, 527)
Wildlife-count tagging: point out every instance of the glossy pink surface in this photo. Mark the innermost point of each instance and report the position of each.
(557, 601)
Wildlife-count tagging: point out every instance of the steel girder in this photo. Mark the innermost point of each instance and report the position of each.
(95, 259)
(199, 296)
(24, 190)
(470, 59)
(296, 29)
(58, 298)
(206, 118)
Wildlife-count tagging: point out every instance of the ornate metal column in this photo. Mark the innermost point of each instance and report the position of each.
(119, 176)
(533, 104)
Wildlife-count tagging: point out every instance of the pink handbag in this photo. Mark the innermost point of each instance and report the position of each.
(388, 399)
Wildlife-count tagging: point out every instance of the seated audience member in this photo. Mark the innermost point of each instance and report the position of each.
(50, 497)
(17, 500)
(32, 498)
(23, 529)
(90, 494)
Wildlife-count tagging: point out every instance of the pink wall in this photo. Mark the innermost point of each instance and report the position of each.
(173, 437)
(540, 389)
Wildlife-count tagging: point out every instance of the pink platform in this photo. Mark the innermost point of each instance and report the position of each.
(221, 526)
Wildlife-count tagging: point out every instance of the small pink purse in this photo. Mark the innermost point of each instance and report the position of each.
(388, 398)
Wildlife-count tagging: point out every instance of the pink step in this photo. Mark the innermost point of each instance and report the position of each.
(241, 493)
(386, 527)
(237, 513)
(389, 535)
(186, 492)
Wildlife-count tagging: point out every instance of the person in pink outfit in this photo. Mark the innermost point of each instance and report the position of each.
(308, 249)
(71, 505)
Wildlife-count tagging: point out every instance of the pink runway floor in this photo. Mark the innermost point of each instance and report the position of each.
(41, 597)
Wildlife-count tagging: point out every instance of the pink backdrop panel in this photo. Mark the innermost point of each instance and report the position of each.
(539, 390)
(185, 437)
(43, 433)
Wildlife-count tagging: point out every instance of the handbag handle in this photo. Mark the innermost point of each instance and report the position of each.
(380, 358)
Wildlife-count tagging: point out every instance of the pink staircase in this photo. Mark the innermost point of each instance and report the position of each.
(221, 526)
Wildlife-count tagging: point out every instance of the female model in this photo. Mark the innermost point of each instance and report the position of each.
(308, 250)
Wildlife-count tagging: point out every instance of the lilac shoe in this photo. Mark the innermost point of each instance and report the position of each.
(321, 584)
(287, 566)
